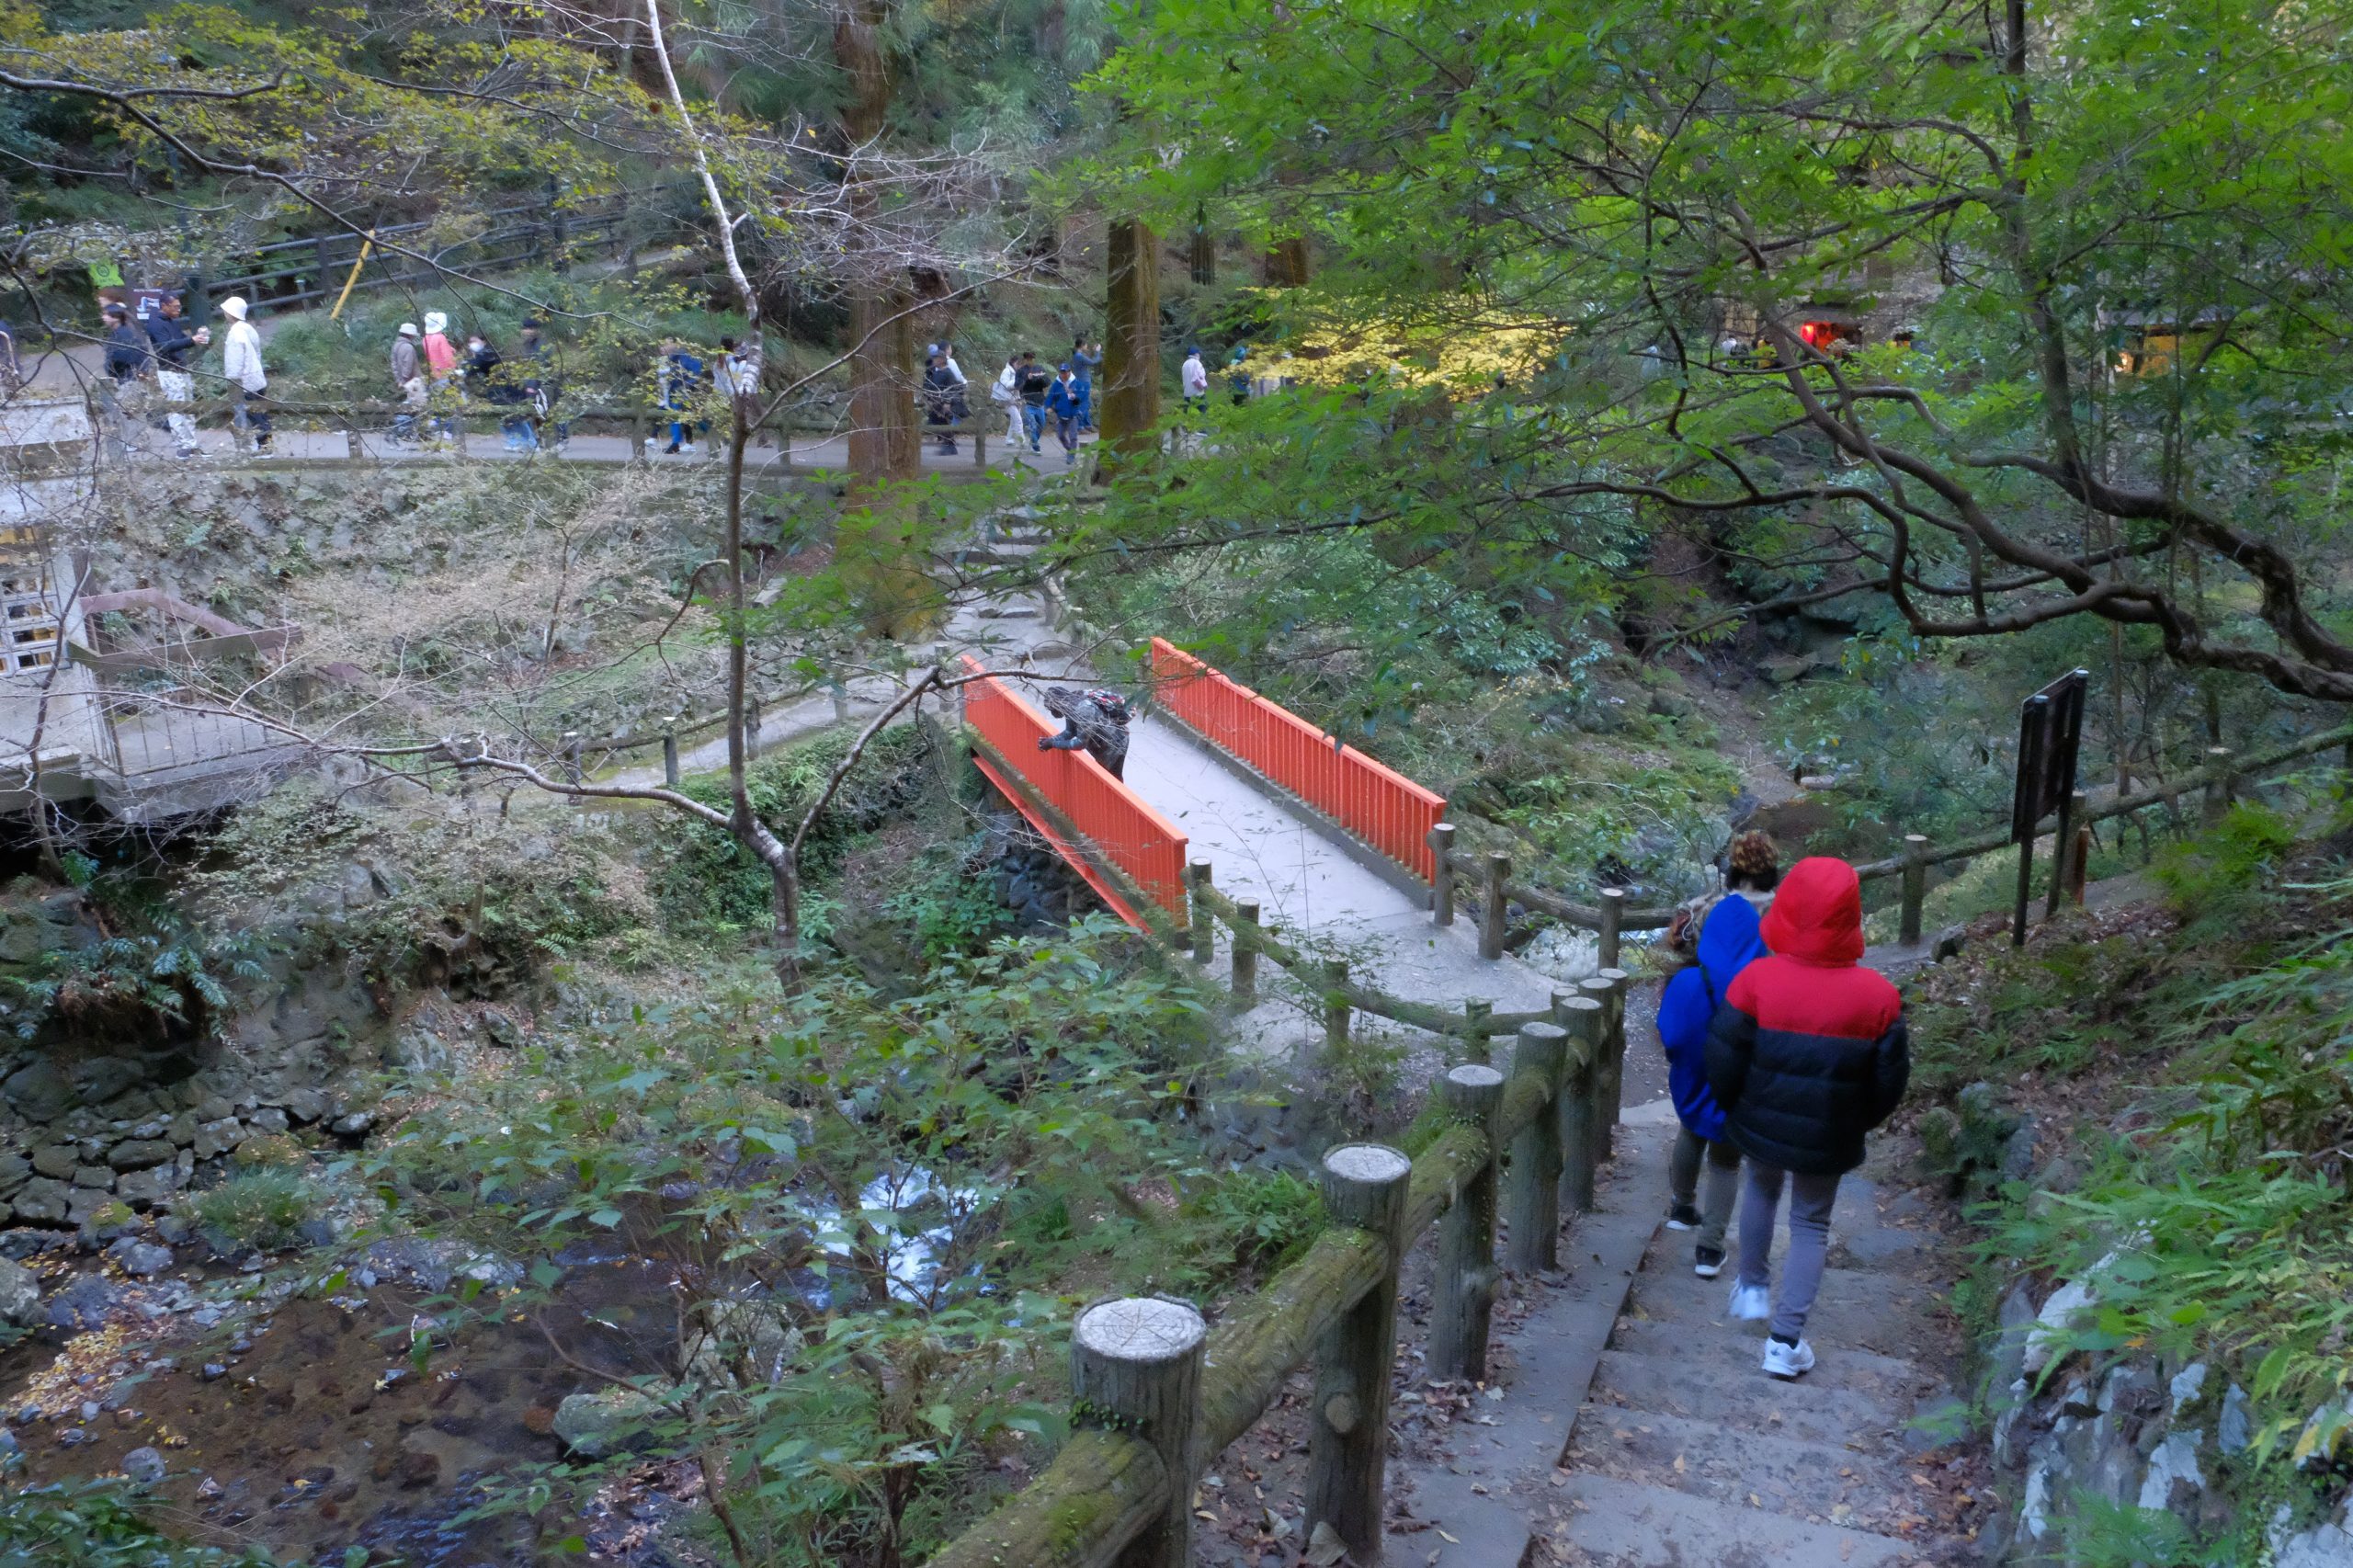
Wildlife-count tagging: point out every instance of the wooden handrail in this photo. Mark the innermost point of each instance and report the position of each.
(1100, 1493)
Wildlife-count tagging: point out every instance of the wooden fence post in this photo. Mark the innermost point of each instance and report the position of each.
(670, 751)
(2079, 868)
(1463, 1288)
(751, 723)
(1135, 1366)
(1475, 1013)
(1612, 1088)
(1442, 866)
(1532, 1206)
(1245, 951)
(1491, 921)
(1604, 1108)
(1364, 1186)
(1336, 1005)
(571, 757)
(1581, 1130)
(2220, 785)
(1204, 922)
(1916, 886)
(1613, 912)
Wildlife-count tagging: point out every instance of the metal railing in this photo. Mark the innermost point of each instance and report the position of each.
(314, 266)
(1143, 845)
(1376, 803)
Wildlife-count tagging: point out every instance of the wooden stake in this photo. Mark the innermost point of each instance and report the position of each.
(1204, 922)
(1613, 911)
(1336, 1005)
(1135, 1367)
(1490, 923)
(1475, 1013)
(1533, 1203)
(1442, 866)
(1612, 1088)
(1365, 1186)
(1245, 951)
(1582, 1136)
(1462, 1291)
(670, 752)
(1604, 1108)
(1916, 886)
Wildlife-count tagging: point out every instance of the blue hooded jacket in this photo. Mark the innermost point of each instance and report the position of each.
(1728, 943)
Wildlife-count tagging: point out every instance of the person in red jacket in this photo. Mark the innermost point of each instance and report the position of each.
(1807, 1053)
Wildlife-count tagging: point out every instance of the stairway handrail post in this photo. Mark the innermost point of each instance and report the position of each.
(1245, 951)
(1916, 886)
(1532, 1212)
(1365, 1188)
(1204, 922)
(1135, 1366)
(1613, 913)
(1462, 1292)
(1580, 1016)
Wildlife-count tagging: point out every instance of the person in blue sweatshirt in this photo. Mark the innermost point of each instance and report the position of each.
(1727, 942)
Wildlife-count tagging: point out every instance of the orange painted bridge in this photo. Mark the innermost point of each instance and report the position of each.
(1331, 845)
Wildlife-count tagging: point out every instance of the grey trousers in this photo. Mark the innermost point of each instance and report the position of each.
(1724, 1183)
(1809, 1201)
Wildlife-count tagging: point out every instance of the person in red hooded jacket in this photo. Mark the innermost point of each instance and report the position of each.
(1807, 1053)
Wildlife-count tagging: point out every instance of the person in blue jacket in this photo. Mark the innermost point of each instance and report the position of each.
(1727, 943)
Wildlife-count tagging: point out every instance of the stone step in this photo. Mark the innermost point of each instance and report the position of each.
(1814, 1412)
(1823, 1483)
(1626, 1523)
(1737, 1350)
(1858, 1309)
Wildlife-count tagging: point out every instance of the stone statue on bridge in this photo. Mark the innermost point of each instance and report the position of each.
(1095, 719)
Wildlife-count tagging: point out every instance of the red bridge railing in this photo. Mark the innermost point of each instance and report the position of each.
(1378, 804)
(1129, 832)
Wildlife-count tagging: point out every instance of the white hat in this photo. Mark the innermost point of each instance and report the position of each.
(233, 307)
(436, 322)
(408, 329)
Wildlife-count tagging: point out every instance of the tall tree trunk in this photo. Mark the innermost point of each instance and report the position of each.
(881, 321)
(1287, 264)
(1130, 395)
(1200, 255)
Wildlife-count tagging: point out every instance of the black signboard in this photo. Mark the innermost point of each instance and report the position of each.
(2050, 732)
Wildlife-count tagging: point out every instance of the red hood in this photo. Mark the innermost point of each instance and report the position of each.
(1817, 914)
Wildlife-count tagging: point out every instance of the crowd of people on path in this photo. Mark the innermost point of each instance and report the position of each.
(1782, 1052)
(1032, 396)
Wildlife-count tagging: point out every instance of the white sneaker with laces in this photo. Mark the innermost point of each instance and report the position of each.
(1751, 1304)
(1787, 1360)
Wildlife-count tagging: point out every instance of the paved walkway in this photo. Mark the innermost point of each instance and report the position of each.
(809, 454)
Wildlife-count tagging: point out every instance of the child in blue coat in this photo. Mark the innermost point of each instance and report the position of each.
(1728, 943)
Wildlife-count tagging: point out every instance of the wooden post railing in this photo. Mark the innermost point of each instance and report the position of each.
(1246, 951)
(1578, 1110)
(1532, 1212)
(1366, 1189)
(1462, 1288)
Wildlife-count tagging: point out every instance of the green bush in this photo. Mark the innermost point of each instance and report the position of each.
(259, 1208)
(99, 1525)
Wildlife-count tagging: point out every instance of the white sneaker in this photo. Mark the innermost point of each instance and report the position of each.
(1787, 1360)
(1751, 1304)
(688, 447)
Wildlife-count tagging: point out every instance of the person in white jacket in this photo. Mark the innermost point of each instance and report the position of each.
(241, 363)
(1007, 394)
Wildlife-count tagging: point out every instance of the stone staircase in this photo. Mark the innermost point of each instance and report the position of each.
(1685, 1452)
(1635, 1428)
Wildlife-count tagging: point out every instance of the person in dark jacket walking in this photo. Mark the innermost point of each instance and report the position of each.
(1036, 384)
(1096, 721)
(1728, 943)
(167, 332)
(943, 403)
(1063, 400)
(1808, 1054)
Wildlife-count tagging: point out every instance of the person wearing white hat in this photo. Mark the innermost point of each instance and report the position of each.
(440, 364)
(408, 380)
(241, 363)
